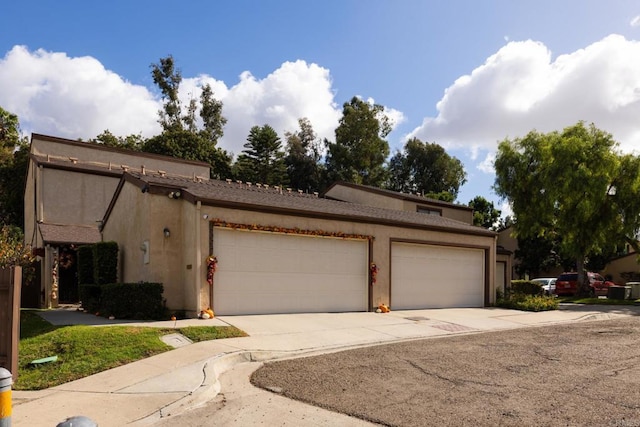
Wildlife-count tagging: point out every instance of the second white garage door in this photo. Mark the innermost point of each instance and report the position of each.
(430, 276)
(262, 273)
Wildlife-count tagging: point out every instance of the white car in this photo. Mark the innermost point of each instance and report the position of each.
(548, 284)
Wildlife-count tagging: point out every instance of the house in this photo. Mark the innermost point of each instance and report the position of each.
(248, 248)
(68, 188)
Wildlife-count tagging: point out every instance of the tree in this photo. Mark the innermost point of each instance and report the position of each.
(484, 212)
(131, 142)
(14, 160)
(182, 136)
(262, 160)
(360, 150)
(425, 168)
(303, 158)
(573, 184)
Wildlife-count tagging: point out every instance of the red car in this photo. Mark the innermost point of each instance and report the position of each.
(567, 284)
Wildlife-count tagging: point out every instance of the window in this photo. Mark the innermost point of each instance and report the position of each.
(429, 211)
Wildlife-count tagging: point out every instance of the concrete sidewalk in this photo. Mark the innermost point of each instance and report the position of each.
(143, 392)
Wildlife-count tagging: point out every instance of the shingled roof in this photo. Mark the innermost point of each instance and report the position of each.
(64, 234)
(251, 196)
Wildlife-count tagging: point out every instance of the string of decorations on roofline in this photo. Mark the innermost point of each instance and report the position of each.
(277, 188)
(284, 230)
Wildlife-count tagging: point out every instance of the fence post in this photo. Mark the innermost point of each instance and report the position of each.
(5, 397)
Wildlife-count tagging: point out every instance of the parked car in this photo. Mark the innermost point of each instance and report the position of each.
(567, 284)
(548, 284)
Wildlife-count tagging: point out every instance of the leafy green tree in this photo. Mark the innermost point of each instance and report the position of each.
(14, 160)
(425, 168)
(183, 136)
(573, 184)
(485, 213)
(303, 158)
(262, 160)
(536, 254)
(131, 142)
(360, 150)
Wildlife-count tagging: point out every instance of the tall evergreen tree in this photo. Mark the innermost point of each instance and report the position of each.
(303, 158)
(262, 160)
(360, 150)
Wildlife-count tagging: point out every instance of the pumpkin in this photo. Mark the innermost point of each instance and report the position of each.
(210, 313)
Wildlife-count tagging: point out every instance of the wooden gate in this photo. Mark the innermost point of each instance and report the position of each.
(10, 281)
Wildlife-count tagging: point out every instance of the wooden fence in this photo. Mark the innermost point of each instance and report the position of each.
(10, 282)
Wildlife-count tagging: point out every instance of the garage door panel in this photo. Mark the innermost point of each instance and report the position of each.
(276, 273)
(430, 276)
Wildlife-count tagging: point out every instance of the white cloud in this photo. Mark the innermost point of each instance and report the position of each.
(486, 165)
(635, 22)
(521, 88)
(58, 95)
(72, 97)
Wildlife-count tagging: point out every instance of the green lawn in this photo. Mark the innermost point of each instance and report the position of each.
(600, 301)
(85, 350)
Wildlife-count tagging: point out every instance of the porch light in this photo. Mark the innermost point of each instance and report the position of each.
(166, 232)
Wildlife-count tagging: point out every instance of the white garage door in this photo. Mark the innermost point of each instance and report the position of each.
(261, 273)
(429, 276)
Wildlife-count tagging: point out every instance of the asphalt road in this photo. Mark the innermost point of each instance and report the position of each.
(575, 374)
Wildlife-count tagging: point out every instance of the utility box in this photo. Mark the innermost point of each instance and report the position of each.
(619, 292)
(635, 289)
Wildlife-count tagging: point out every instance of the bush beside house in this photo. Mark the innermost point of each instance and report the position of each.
(100, 294)
(527, 296)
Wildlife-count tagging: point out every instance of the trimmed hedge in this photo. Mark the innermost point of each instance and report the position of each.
(105, 262)
(85, 265)
(526, 287)
(139, 301)
(90, 295)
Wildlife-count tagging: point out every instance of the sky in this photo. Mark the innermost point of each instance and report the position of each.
(465, 74)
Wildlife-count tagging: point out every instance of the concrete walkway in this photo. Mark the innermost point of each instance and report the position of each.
(144, 392)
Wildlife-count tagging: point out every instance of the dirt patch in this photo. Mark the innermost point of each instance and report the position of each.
(578, 374)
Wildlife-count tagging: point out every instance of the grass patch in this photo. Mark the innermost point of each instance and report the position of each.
(86, 350)
(207, 333)
(600, 301)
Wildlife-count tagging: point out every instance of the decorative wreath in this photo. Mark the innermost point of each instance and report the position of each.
(212, 266)
(374, 272)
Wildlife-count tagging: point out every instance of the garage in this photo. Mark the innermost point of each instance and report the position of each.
(433, 276)
(265, 273)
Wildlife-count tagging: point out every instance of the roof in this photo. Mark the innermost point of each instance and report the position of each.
(102, 147)
(78, 234)
(285, 201)
(399, 195)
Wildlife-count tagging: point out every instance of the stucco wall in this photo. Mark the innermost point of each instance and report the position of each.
(626, 264)
(381, 246)
(86, 152)
(369, 198)
(75, 198)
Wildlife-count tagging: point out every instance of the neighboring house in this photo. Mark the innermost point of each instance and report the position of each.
(283, 251)
(621, 269)
(278, 250)
(68, 188)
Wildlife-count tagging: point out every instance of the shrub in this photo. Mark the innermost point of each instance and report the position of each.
(105, 262)
(139, 301)
(90, 296)
(85, 265)
(526, 287)
(529, 302)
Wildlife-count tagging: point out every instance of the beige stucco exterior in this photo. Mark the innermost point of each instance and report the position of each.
(620, 268)
(71, 183)
(179, 262)
(370, 197)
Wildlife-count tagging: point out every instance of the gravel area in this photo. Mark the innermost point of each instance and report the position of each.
(576, 374)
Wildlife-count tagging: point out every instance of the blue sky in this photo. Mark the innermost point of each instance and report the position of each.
(463, 74)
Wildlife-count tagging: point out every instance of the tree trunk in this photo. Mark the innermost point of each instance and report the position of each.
(583, 289)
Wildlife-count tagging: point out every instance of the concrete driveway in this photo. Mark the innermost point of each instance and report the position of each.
(580, 367)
